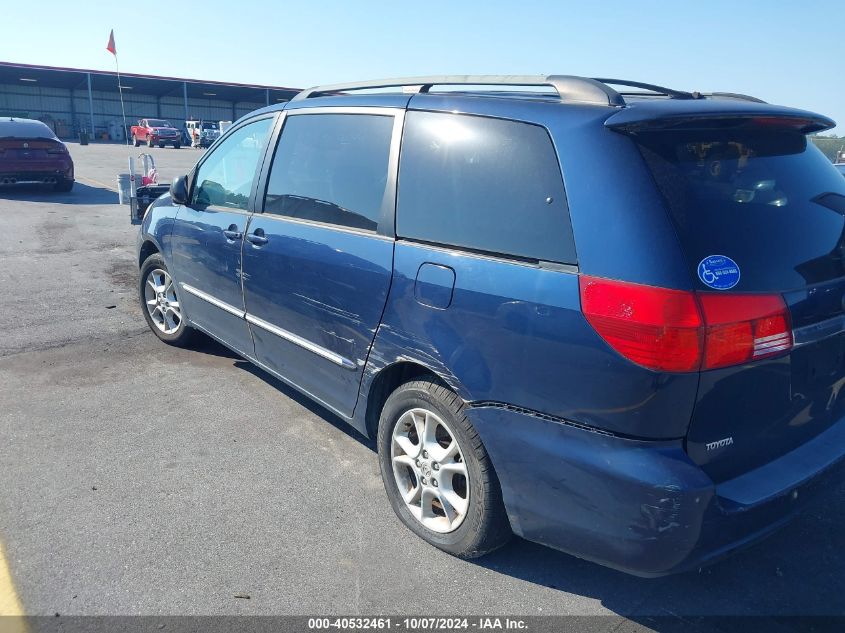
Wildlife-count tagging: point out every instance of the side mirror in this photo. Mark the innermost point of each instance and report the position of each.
(179, 190)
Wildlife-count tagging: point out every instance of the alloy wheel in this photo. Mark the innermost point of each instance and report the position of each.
(429, 470)
(162, 303)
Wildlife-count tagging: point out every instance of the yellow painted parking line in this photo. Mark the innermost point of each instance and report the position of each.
(87, 180)
(9, 602)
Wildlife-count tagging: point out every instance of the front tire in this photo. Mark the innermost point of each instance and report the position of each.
(160, 303)
(177, 146)
(436, 472)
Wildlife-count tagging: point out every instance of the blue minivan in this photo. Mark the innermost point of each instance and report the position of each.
(603, 315)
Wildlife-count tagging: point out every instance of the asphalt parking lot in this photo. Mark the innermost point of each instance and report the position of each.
(142, 479)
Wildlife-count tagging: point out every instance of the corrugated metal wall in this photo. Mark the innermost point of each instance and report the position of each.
(67, 110)
(37, 102)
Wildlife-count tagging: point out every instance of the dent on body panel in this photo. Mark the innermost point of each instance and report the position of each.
(323, 272)
(585, 491)
(393, 345)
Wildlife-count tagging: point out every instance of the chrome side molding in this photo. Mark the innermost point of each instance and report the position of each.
(329, 355)
(214, 301)
(337, 359)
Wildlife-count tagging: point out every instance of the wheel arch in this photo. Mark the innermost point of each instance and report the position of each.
(148, 247)
(386, 380)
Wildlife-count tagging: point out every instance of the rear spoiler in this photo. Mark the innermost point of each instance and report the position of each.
(708, 114)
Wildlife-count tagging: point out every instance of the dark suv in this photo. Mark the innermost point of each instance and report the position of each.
(603, 315)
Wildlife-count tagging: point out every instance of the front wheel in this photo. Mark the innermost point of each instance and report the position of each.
(436, 472)
(160, 303)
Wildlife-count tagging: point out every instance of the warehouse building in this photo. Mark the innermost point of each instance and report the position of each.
(72, 100)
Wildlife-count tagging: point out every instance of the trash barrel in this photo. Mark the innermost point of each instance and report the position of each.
(83, 138)
(124, 188)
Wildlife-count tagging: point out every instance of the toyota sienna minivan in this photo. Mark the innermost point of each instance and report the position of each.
(603, 315)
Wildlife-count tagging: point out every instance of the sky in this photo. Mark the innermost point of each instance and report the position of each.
(782, 51)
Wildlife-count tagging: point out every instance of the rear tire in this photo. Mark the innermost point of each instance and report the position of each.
(160, 303)
(161, 145)
(63, 186)
(449, 495)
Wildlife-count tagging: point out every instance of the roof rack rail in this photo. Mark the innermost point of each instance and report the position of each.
(660, 90)
(735, 95)
(568, 87)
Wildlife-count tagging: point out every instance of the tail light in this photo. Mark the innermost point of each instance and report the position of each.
(743, 328)
(57, 149)
(680, 331)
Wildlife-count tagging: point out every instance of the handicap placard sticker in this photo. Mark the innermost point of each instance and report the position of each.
(718, 272)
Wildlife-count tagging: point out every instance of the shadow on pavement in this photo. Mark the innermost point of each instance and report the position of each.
(207, 345)
(306, 402)
(81, 194)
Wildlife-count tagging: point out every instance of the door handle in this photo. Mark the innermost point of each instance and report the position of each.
(232, 233)
(257, 238)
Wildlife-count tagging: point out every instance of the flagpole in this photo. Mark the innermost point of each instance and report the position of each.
(113, 50)
(120, 90)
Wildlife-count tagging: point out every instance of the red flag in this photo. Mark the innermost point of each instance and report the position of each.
(111, 48)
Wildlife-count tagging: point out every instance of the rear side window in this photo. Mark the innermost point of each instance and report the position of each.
(484, 184)
(331, 168)
(767, 199)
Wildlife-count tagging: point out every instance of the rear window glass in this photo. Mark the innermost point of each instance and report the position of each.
(484, 184)
(768, 200)
(26, 128)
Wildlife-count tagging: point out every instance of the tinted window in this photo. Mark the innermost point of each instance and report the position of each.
(331, 168)
(225, 178)
(26, 128)
(484, 184)
(768, 200)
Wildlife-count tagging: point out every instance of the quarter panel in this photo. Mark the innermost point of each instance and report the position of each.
(514, 333)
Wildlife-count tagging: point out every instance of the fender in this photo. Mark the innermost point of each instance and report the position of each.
(157, 227)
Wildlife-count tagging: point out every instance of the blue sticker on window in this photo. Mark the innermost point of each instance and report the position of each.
(718, 272)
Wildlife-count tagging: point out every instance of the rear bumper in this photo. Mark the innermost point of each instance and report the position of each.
(642, 507)
(36, 171)
(42, 177)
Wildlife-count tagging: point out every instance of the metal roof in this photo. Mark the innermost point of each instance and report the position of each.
(77, 78)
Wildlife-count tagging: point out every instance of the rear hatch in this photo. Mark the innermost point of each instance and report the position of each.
(759, 212)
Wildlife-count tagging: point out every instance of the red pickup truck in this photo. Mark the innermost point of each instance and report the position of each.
(156, 132)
